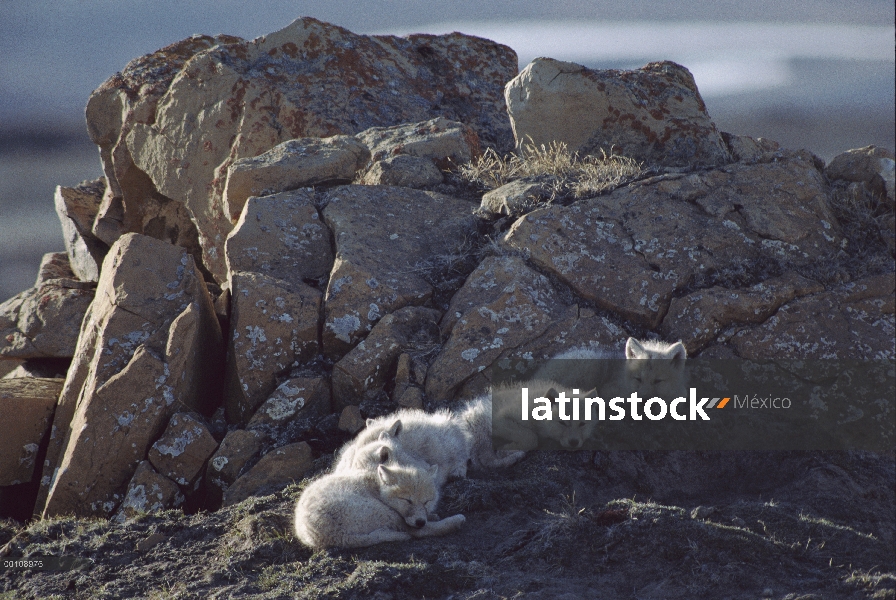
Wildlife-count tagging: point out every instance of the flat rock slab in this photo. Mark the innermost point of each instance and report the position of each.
(77, 208)
(310, 79)
(273, 324)
(150, 345)
(503, 304)
(27, 406)
(630, 250)
(367, 368)
(447, 143)
(282, 236)
(148, 492)
(653, 114)
(389, 241)
(513, 198)
(45, 321)
(853, 321)
(291, 165)
(181, 452)
(276, 469)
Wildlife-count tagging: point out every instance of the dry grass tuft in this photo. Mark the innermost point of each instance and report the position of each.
(567, 174)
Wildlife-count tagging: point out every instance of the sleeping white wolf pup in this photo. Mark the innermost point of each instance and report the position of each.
(359, 508)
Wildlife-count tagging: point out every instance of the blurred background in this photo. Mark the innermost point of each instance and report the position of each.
(815, 74)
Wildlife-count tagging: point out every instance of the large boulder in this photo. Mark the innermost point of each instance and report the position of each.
(77, 208)
(150, 344)
(631, 250)
(44, 321)
(211, 106)
(870, 165)
(27, 406)
(389, 244)
(131, 202)
(653, 114)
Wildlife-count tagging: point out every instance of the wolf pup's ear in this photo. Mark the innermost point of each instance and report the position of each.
(433, 471)
(384, 454)
(386, 476)
(633, 348)
(395, 429)
(369, 422)
(677, 351)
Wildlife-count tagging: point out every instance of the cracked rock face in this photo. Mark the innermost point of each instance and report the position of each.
(389, 240)
(77, 208)
(853, 321)
(176, 120)
(653, 114)
(273, 325)
(283, 236)
(503, 304)
(150, 345)
(148, 492)
(629, 251)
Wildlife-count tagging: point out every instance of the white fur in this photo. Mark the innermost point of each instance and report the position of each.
(359, 508)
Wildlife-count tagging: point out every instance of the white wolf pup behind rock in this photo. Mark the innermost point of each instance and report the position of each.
(362, 508)
(642, 372)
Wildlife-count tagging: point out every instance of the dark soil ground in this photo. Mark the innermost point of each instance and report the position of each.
(639, 525)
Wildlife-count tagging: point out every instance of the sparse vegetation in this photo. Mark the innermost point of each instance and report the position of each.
(564, 173)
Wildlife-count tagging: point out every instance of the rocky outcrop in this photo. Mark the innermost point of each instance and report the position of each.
(27, 406)
(291, 165)
(345, 302)
(44, 321)
(150, 345)
(310, 79)
(653, 114)
(388, 244)
(77, 208)
(629, 251)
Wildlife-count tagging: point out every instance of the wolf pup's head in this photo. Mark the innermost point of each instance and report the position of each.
(656, 368)
(410, 491)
